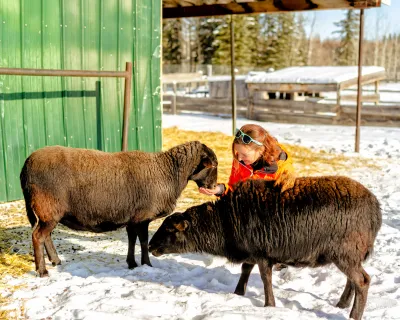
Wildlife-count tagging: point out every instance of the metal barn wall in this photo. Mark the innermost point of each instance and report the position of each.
(76, 112)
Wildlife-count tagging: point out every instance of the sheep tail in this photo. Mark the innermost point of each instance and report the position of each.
(26, 190)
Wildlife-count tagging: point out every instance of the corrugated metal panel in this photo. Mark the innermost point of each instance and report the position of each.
(77, 112)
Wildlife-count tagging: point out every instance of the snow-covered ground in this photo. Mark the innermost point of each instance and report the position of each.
(95, 283)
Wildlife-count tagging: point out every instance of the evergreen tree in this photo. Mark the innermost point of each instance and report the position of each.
(172, 48)
(284, 45)
(207, 35)
(300, 47)
(268, 37)
(346, 53)
(246, 31)
(221, 43)
(282, 41)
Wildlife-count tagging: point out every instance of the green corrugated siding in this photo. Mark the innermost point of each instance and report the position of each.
(77, 112)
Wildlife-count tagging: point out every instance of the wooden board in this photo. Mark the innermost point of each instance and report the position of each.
(197, 8)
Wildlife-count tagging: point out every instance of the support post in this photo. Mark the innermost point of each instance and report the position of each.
(359, 85)
(173, 103)
(376, 93)
(233, 79)
(338, 107)
(127, 105)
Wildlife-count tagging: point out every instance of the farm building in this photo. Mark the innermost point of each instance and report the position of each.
(81, 112)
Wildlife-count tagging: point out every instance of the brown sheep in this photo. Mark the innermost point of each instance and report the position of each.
(321, 220)
(98, 191)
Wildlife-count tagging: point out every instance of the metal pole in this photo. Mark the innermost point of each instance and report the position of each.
(233, 79)
(359, 85)
(127, 105)
(61, 73)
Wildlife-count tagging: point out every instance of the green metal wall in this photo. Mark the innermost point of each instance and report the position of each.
(84, 35)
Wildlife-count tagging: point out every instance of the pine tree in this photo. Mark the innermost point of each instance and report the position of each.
(172, 49)
(207, 35)
(246, 31)
(267, 40)
(346, 53)
(282, 41)
(221, 43)
(300, 47)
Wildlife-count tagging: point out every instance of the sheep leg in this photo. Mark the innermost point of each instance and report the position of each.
(132, 235)
(347, 295)
(142, 229)
(361, 280)
(266, 276)
(244, 278)
(39, 235)
(51, 251)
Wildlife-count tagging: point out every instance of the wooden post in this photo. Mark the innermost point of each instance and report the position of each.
(127, 106)
(338, 107)
(173, 102)
(359, 86)
(250, 106)
(377, 92)
(233, 79)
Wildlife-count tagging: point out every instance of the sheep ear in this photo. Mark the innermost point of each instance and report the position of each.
(206, 157)
(182, 226)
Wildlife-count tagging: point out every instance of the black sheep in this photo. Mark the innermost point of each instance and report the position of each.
(99, 191)
(321, 220)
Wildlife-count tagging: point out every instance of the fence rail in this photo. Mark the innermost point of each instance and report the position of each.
(305, 112)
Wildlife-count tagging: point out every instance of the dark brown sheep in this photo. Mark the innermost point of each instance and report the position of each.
(98, 191)
(321, 220)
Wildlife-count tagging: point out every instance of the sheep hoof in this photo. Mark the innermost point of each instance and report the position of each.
(43, 274)
(56, 263)
(239, 292)
(132, 265)
(343, 304)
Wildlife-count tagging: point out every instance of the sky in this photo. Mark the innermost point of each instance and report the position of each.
(387, 15)
(94, 283)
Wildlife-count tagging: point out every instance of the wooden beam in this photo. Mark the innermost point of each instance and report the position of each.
(292, 87)
(197, 8)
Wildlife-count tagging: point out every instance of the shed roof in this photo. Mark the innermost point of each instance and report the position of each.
(313, 78)
(309, 75)
(196, 8)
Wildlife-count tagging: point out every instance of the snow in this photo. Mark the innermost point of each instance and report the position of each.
(95, 283)
(311, 75)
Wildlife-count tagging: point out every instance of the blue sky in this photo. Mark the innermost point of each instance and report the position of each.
(389, 20)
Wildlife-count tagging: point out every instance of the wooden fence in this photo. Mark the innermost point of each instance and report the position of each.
(287, 111)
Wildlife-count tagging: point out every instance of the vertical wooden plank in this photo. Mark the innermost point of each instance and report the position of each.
(90, 61)
(31, 37)
(73, 108)
(109, 44)
(142, 75)
(3, 184)
(51, 59)
(156, 74)
(127, 55)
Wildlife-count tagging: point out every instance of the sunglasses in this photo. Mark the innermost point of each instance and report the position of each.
(246, 138)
